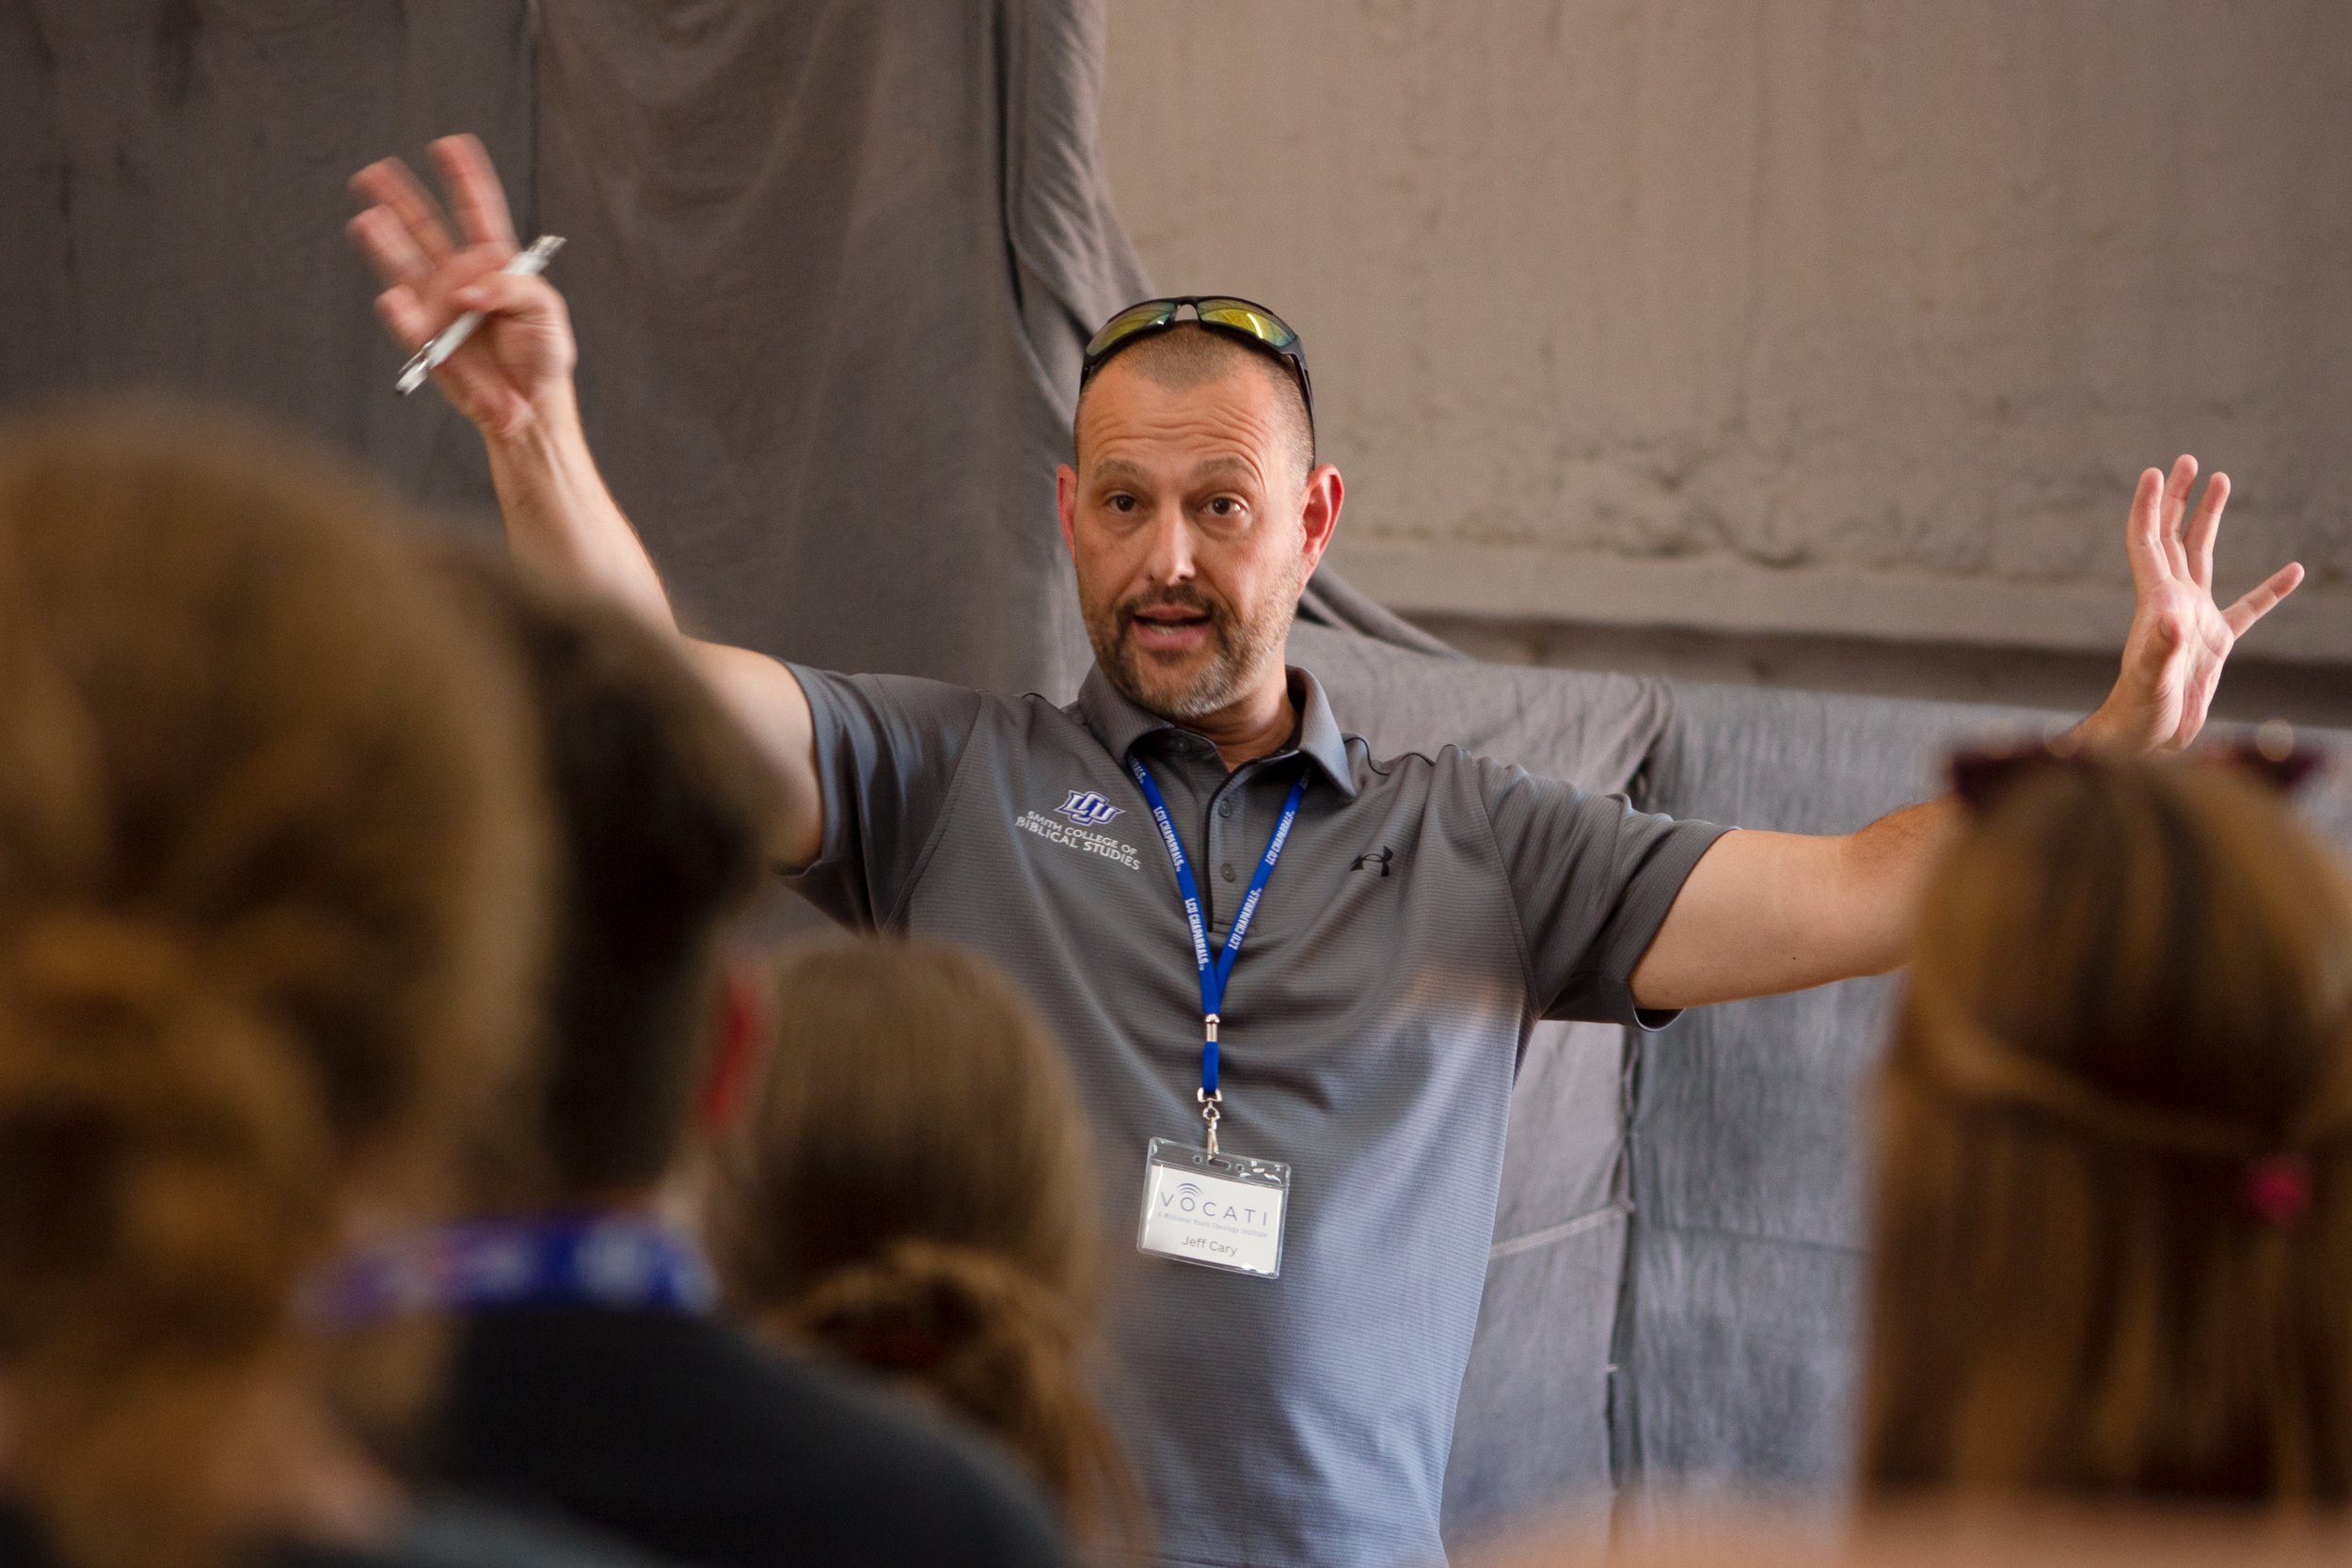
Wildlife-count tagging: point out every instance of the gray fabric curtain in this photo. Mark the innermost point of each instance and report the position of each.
(172, 175)
(831, 268)
(1736, 1346)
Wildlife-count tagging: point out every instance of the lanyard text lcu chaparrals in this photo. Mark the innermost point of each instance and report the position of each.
(1216, 972)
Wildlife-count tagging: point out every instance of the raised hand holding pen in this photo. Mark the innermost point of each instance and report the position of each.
(513, 378)
(516, 368)
(452, 337)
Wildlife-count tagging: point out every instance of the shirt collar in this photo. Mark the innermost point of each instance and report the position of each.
(1119, 722)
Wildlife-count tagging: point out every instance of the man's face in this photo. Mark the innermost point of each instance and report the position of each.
(1193, 533)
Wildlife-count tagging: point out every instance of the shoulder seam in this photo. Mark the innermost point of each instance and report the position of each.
(1510, 898)
(1384, 765)
(897, 919)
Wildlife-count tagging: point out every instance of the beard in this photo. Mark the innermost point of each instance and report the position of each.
(1235, 652)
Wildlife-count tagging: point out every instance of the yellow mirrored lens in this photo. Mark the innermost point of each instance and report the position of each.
(1151, 312)
(1267, 329)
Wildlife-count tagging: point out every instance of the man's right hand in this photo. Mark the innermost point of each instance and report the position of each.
(516, 369)
(513, 378)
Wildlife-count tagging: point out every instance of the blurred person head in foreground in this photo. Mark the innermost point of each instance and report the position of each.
(2113, 1250)
(591, 1375)
(269, 919)
(653, 1014)
(910, 1194)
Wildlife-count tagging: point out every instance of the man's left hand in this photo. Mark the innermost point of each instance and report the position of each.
(1766, 912)
(2179, 638)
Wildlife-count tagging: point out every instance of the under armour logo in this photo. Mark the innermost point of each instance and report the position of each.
(1376, 862)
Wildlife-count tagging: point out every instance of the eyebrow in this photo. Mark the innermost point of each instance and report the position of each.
(1228, 464)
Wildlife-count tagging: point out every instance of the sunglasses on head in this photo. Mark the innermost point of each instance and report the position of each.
(1982, 778)
(1236, 318)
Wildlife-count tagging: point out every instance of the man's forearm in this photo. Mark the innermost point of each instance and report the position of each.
(562, 521)
(1887, 866)
(1764, 913)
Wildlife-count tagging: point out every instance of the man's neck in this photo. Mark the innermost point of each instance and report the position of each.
(1255, 726)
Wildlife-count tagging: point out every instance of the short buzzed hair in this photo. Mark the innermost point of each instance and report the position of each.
(1188, 354)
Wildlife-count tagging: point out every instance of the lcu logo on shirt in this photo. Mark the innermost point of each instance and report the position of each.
(1087, 809)
(1085, 812)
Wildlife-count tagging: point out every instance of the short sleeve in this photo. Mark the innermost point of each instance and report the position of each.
(1592, 880)
(887, 750)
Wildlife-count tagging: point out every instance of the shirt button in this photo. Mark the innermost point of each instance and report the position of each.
(1225, 871)
(1225, 808)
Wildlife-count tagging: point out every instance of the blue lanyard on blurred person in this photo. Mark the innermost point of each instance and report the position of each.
(614, 1260)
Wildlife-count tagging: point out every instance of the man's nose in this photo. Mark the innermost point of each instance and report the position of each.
(1171, 560)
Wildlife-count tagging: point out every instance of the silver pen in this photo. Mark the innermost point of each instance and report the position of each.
(445, 343)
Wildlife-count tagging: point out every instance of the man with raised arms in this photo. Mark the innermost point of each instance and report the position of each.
(1291, 1346)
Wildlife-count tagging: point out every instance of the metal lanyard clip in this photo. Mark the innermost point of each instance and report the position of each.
(1211, 1099)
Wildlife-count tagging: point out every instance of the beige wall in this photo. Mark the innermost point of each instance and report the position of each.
(1853, 317)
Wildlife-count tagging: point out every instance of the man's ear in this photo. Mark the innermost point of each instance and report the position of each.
(1066, 503)
(1321, 514)
(742, 1027)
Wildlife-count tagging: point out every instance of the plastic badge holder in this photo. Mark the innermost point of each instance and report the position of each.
(1220, 1210)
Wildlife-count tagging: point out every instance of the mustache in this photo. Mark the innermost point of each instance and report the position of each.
(1189, 600)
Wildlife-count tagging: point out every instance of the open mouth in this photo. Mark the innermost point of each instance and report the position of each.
(1171, 628)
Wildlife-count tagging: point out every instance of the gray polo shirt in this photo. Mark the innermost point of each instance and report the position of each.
(1425, 910)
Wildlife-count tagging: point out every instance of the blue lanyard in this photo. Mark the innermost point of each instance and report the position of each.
(607, 1260)
(1214, 973)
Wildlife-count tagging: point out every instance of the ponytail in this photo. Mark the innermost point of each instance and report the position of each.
(911, 1193)
(2112, 1247)
(994, 1346)
(161, 1150)
(270, 906)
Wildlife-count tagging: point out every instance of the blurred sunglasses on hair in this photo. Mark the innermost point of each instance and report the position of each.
(1236, 318)
(1981, 778)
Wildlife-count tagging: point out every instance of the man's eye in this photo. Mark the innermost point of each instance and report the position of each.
(1123, 503)
(1225, 506)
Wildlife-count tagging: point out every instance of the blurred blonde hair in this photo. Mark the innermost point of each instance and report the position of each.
(269, 865)
(2129, 998)
(912, 1194)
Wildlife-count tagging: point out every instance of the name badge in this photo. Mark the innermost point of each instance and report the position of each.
(1218, 1211)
